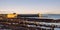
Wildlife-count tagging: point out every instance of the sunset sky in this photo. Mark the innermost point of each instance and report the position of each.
(30, 6)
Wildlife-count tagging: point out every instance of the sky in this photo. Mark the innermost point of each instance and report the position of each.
(30, 6)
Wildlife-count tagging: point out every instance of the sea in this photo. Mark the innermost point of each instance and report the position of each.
(50, 16)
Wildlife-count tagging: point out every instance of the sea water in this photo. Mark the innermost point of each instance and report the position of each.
(50, 16)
